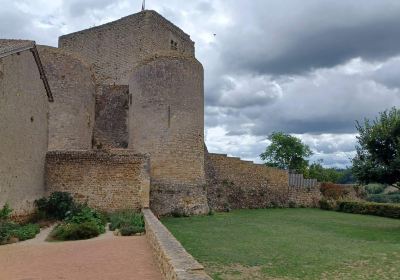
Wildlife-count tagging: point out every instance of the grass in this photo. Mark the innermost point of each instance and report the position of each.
(291, 244)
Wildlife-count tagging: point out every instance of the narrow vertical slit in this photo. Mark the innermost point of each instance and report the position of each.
(169, 116)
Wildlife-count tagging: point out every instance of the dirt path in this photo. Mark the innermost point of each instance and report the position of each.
(106, 257)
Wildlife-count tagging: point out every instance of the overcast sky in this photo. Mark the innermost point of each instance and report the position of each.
(309, 68)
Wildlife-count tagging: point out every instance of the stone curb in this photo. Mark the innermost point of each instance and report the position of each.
(173, 260)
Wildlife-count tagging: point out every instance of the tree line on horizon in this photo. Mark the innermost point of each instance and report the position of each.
(377, 157)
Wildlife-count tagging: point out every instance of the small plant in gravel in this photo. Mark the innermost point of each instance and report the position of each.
(128, 222)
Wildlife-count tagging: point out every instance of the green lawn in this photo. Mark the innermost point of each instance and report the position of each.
(291, 244)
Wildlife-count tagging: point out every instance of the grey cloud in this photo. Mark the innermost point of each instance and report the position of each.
(286, 37)
(388, 74)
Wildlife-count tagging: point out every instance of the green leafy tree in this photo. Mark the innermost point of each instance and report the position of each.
(322, 174)
(378, 149)
(287, 152)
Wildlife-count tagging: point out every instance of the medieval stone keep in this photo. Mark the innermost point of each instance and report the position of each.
(126, 128)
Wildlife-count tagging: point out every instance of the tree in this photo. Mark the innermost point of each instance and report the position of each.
(378, 150)
(287, 152)
(322, 174)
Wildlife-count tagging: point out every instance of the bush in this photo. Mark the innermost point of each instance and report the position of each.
(83, 214)
(130, 230)
(327, 204)
(121, 219)
(385, 198)
(56, 206)
(333, 191)
(375, 188)
(370, 208)
(74, 231)
(5, 212)
(292, 204)
(25, 232)
(9, 230)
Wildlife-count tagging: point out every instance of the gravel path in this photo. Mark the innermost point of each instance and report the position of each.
(105, 257)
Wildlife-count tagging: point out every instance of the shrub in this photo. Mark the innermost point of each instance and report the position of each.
(327, 204)
(57, 205)
(333, 191)
(130, 230)
(25, 232)
(374, 188)
(370, 208)
(83, 214)
(385, 198)
(292, 204)
(5, 212)
(121, 219)
(22, 232)
(74, 231)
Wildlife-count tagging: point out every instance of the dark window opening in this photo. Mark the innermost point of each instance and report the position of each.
(174, 45)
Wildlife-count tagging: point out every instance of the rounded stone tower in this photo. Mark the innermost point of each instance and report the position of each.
(166, 121)
(71, 116)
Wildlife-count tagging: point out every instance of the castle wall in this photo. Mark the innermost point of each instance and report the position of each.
(300, 196)
(166, 121)
(23, 129)
(114, 48)
(108, 181)
(234, 183)
(72, 112)
(111, 118)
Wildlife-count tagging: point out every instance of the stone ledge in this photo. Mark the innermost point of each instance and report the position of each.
(113, 155)
(173, 260)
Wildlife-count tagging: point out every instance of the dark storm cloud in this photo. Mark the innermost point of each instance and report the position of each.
(285, 37)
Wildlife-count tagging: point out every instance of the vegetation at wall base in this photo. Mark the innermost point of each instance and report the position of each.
(370, 208)
(56, 206)
(291, 244)
(128, 222)
(13, 232)
(79, 221)
(74, 231)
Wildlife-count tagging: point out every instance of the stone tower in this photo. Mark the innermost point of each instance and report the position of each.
(167, 122)
(165, 113)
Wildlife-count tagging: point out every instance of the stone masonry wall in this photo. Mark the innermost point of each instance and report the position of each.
(108, 181)
(234, 183)
(23, 132)
(300, 196)
(72, 112)
(111, 119)
(113, 48)
(166, 121)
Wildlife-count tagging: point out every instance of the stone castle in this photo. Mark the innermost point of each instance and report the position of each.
(121, 126)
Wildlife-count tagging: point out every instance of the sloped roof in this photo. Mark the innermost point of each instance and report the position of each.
(11, 46)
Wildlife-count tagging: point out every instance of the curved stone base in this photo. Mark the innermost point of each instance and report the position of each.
(180, 200)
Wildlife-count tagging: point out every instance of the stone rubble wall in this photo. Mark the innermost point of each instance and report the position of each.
(235, 183)
(108, 181)
(300, 196)
(111, 118)
(113, 48)
(173, 260)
